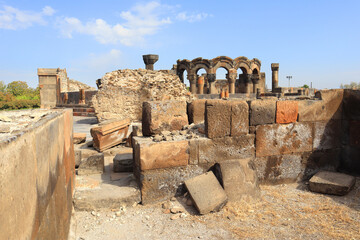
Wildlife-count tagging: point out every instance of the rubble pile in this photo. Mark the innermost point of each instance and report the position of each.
(123, 92)
(75, 86)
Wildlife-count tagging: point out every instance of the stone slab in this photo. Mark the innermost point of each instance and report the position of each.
(123, 162)
(278, 139)
(92, 165)
(239, 118)
(217, 118)
(332, 183)
(157, 155)
(262, 112)
(286, 111)
(238, 178)
(109, 134)
(158, 116)
(221, 149)
(196, 110)
(161, 184)
(79, 138)
(206, 193)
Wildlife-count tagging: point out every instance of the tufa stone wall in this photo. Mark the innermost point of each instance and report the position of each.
(123, 92)
(37, 172)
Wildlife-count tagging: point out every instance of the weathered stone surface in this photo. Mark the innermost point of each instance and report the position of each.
(161, 184)
(262, 112)
(278, 139)
(313, 162)
(196, 110)
(238, 178)
(353, 133)
(123, 162)
(206, 193)
(286, 111)
(163, 115)
(279, 169)
(350, 159)
(109, 134)
(220, 149)
(123, 92)
(194, 151)
(327, 135)
(351, 104)
(239, 118)
(217, 118)
(92, 165)
(77, 157)
(329, 107)
(154, 155)
(331, 183)
(79, 138)
(4, 129)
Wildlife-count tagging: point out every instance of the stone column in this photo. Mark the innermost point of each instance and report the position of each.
(275, 75)
(255, 79)
(81, 96)
(192, 80)
(201, 84)
(149, 61)
(247, 81)
(211, 80)
(231, 79)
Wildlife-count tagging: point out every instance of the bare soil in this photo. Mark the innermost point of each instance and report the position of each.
(288, 211)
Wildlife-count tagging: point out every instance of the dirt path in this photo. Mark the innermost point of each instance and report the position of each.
(283, 212)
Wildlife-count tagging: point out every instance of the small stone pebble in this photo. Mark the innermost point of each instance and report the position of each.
(173, 199)
(93, 213)
(176, 210)
(189, 202)
(176, 216)
(157, 138)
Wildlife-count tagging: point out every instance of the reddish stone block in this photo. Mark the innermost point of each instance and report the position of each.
(79, 138)
(218, 118)
(286, 111)
(109, 134)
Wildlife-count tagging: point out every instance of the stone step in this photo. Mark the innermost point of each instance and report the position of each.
(331, 183)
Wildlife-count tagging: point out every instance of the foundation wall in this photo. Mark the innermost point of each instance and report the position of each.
(37, 170)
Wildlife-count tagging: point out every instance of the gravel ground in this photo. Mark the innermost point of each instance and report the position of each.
(283, 212)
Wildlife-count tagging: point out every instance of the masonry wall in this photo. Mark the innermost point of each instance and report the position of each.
(37, 171)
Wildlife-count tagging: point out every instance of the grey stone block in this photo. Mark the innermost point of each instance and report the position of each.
(123, 162)
(206, 193)
(331, 183)
(92, 165)
(262, 112)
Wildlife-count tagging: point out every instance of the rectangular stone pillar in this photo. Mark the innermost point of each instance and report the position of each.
(49, 87)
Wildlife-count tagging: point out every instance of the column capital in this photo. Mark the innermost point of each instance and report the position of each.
(211, 77)
(275, 67)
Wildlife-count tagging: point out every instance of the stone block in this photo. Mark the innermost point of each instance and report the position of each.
(77, 157)
(79, 138)
(92, 165)
(238, 178)
(327, 134)
(279, 169)
(206, 193)
(351, 104)
(332, 183)
(156, 155)
(239, 118)
(278, 139)
(158, 116)
(220, 149)
(329, 107)
(161, 184)
(262, 112)
(194, 151)
(109, 134)
(196, 111)
(217, 118)
(123, 162)
(286, 111)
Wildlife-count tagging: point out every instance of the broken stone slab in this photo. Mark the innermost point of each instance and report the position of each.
(206, 193)
(332, 183)
(92, 165)
(238, 178)
(123, 162)
(109, 134)
(79, 138)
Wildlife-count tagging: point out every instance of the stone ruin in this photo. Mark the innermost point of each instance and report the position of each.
(219, 149)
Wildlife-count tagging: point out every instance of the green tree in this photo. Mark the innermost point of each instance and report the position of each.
(17, 88)
(305, 86)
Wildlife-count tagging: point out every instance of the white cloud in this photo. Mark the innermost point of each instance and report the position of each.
(13, 18)
(142, 20)
(194, 17)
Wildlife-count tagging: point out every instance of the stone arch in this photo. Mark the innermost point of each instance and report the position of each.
(182, 66)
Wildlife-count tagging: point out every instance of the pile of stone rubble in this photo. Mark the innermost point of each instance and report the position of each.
(123, 92)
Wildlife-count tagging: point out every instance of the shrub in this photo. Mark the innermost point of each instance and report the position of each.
(20, 104)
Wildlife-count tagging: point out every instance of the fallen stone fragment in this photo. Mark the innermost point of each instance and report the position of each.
(92, 165)
(79, 138)
(109, 134)
(332, 183)
(77, 157)
(158, 138)
(167, 205)
(123, 162)
(206, 193)
(238, 178)
(5, 129)
(4, 118)
(176, 216)
(176, 210)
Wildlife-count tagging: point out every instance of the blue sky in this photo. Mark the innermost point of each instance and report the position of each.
(314, 41)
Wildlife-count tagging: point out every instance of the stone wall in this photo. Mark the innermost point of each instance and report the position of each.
(288, 140)
(37, 171)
